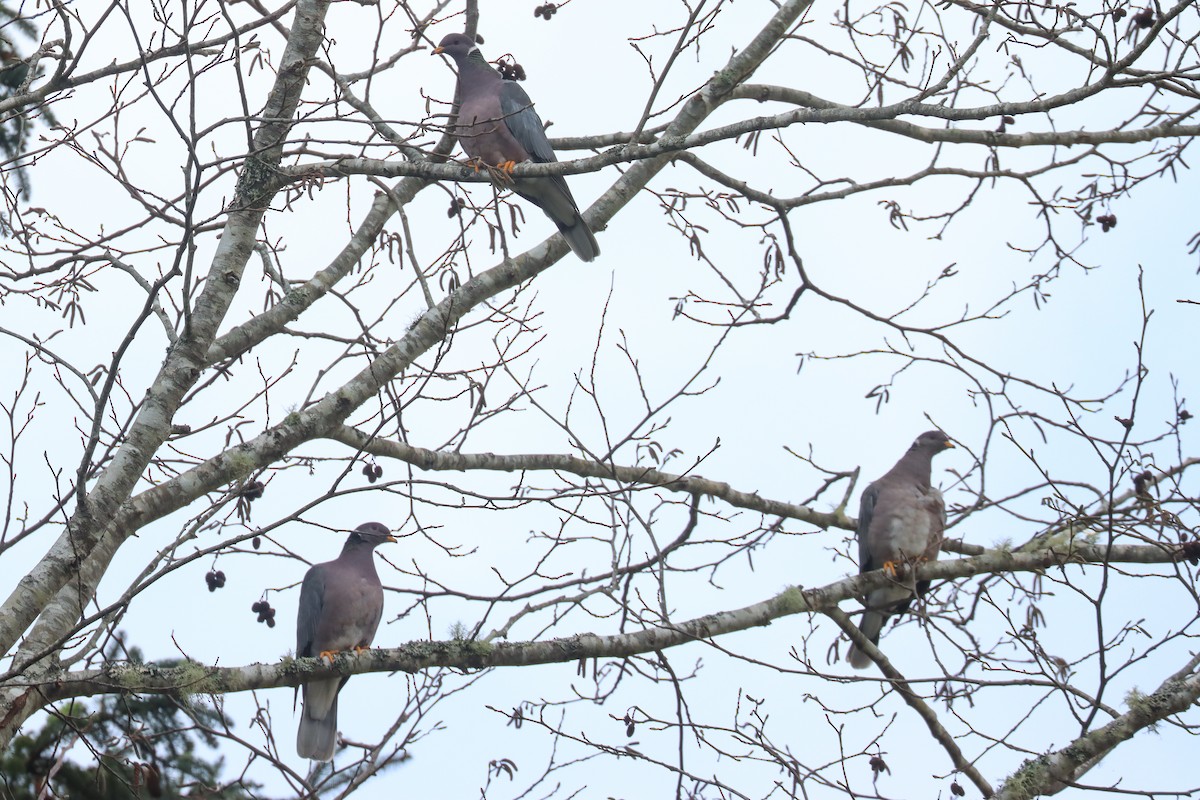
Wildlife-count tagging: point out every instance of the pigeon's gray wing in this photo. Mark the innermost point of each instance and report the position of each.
(308, 616)
(872, 553)
(551, 195)
(317, 734)
(523, 122)
(866, 510)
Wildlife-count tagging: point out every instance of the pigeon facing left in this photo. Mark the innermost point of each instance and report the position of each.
(341, 603)
(901, 520)
(498, 127)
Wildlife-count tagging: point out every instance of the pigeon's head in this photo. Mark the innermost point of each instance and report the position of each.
(456, 45)
(370, 534)
(932, 442)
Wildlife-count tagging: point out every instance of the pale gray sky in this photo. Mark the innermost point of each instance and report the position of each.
(586, 78)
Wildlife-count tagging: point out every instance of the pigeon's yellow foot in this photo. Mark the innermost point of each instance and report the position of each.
(506, 167)
(328, 655)
(891, 569)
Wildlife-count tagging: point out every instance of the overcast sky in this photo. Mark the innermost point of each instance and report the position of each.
(586, 79)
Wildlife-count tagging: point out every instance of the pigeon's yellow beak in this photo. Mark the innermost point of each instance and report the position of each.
(393, 539)
(437, 51)
(949, 445)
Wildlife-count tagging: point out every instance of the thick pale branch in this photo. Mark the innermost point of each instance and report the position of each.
(463, 654)
(140, 474)
(331, 411)
(300, 298)
(328, 414)
(634, 476)
(70, 564)
(884, 118)
(1053, 772)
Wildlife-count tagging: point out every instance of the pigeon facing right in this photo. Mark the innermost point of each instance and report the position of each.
(341, 603)
(901, 520)
(498, 127)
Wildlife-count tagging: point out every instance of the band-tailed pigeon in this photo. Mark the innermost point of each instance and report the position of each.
(341, 603)
(900, 522)
(498, 127)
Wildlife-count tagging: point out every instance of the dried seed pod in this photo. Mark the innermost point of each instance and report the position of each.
(1141, 483)
(510, 70)
(265, 612)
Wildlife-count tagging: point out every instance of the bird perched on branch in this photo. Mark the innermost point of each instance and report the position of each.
(901, 520)
(341, 603)
(498, 128)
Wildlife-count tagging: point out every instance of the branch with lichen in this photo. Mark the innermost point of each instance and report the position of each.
(468, 654)
(643, 477)
(1051, 773)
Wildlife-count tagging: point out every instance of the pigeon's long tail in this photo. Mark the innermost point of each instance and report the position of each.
(553, 197)
(317, 735)
(579, 237)
(871, 625)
